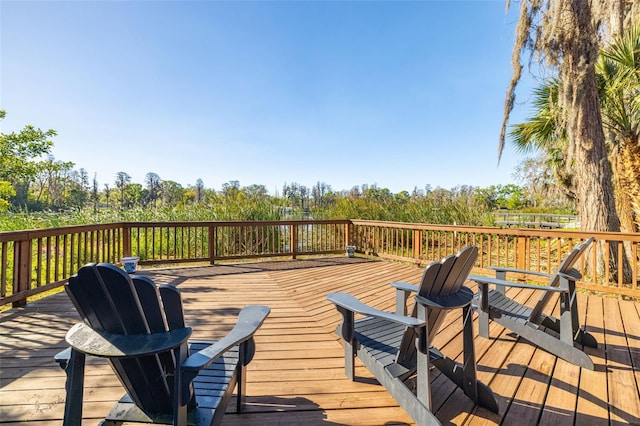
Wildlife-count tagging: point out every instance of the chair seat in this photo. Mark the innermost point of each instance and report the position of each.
(503, 306)
(211, 387)
(380, 338)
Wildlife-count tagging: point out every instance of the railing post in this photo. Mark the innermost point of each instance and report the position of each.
(417, 244)
(521, 252)
(293, 239)
(126, 240)
(212, 243)
(21, 270)
(347, 234)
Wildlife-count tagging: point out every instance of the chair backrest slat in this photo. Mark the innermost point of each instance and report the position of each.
(439, 283)
(565, 267)
(173, 306)
(458, 268)
(147, 293)
(92, 300)
(439, 279)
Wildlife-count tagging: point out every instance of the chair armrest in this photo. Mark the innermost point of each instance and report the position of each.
(571, 277)
(102, 344)
(352, 304)
(520, 271)
(249, 320)
(405, 286)
(403, 290)
(63, 357)
(488, 280)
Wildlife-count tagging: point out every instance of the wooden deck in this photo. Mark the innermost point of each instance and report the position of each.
(297, 375)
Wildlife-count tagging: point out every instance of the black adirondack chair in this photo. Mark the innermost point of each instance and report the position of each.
(139, 327)
(560, 336)
(397, 348)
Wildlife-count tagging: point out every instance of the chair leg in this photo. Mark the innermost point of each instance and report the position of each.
(469, 367)
(349, 360)
(585, 338)
(423, 355)
(181, 387)
(483, 324)
(482, 300)
(346, 331)
(241, 384)
(75, 389)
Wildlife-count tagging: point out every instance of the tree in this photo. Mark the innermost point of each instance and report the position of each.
(543, 132)
(53, 179)
(565, 34)
(322, 195)
(199, 190)
(231, 188)
(154, 188)
(6, 192)
(122, 180)
(107, 193)
(83, 179)
(173, 193)
(508, 196)
(77, 198)
(19, 153)
(133, 195)
(540, 184)
(95, 193)
(618, 70)
(256, 192)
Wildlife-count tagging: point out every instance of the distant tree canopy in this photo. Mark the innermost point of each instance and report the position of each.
(54, 185)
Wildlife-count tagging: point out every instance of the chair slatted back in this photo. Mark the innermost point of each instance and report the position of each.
(110, 300)
(566, 267)
(442, 278)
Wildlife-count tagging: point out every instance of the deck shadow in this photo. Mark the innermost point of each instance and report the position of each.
(176, 276)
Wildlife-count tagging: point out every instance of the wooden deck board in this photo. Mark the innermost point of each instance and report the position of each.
(297, 376)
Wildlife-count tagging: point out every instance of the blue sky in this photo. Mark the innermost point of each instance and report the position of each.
(394, 93)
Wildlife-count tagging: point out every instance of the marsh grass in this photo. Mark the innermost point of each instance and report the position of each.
(432, 210)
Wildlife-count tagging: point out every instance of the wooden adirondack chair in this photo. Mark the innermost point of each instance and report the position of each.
(397, 348)
(533, 323)
(140, 329)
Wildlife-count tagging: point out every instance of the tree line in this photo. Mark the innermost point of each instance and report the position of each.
(33, 180)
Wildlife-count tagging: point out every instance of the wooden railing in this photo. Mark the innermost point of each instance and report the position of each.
(535, 250)
(40, 260)
(180, 242)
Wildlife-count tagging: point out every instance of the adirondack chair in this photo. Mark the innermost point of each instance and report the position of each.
(140, 329)
(534, 323)
(397, 348)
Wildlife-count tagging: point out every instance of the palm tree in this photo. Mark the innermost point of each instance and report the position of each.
(543, 132)
(618, 70)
